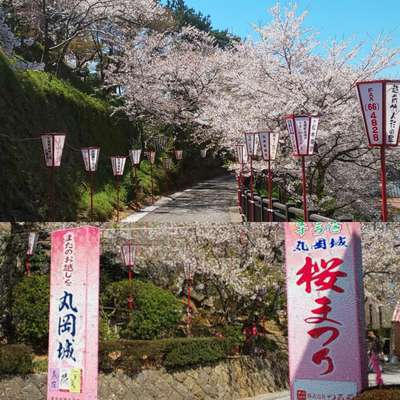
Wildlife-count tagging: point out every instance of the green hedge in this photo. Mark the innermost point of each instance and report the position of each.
(30, 310)
(132, 355)
(15, 360)
(156, 315)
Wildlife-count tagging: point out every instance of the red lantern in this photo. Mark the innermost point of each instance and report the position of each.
(269, 148)
(380, 106)
(303, 131)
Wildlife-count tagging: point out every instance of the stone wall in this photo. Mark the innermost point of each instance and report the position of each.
(232, 379)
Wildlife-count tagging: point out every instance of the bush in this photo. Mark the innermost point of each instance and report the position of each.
(234, 333)
(132, 355)
(15, 360)
(156, 313)
(387, 393)
(197, 351)
(30, 310)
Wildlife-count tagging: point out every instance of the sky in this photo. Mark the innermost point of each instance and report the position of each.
(333, 19)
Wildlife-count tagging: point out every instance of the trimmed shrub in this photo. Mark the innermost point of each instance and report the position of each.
(197, 351)
(156, 313)
(30, 310)
(386, 393)
(15, 359)
(132, 355)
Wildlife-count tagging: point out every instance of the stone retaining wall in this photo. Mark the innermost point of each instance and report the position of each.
(229, 380)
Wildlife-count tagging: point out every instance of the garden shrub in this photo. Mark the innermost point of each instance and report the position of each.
(234, 333)
(30, 309)
(132, 355)
(197, 351)
(386, 393)
(156, 314)
(15, 359)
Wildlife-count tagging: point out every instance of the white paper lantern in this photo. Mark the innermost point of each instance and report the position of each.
(90, 157)
(128, 252)
(134, 155)
(269, 145)
(118, 165)
(380, 104)
(53, 145)
(303, 133)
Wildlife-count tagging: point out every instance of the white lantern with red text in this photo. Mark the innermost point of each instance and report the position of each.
(179, 154)
(151, 156)
(167, 163)
(380, 104)
(241, 153)
(118, 165)
(269, 145)
(53, 145)
(128, 252)
(251, 144)
(203, 153)
(90, 157)
(32, 243)
(303, 131)
(134, 155)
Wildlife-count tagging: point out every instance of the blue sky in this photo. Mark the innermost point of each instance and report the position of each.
(333, 19)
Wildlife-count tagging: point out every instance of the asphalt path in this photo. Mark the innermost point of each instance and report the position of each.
(214, 201)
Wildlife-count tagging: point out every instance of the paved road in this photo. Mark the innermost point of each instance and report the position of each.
(391, 376)
(209, 201)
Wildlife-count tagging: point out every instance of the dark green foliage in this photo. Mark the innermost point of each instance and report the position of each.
(234, 333)
(132, 355)
(32, 103)
(187, 16)
(30, 309)
(15, 359)
(157, 312)
(196, 351)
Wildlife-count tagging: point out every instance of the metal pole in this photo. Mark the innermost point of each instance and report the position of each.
(383, 180)
(152, 184)
(130, 298)
(303, 170)
(28, 265)
(91, 195)
(189, 308)
(52, 196)
(270, 213)
(251, 190)
(117, 179)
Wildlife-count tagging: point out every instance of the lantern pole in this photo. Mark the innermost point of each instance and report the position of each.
(152, 183)
(384, 211)
(189, 308)
(118, 188)
(52, 189)
(28, 265)
(251, 189)
(270, 212)
(130, 278)
(91, 194)
(303, 171)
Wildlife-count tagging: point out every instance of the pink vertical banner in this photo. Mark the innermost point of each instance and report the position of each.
(327, 344)
(74, 314)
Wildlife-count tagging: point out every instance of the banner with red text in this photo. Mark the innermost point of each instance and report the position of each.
(74, 314)
(327, 353)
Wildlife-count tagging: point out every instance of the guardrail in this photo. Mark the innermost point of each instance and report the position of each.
(257, 210)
